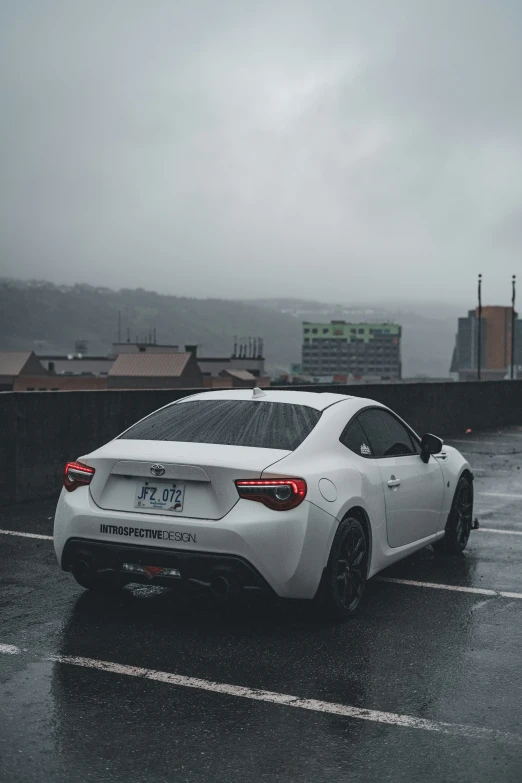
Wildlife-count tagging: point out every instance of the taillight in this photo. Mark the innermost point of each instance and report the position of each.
(278, 494)
(76, 475)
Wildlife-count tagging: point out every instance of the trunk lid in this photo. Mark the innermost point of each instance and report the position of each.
(205, 472)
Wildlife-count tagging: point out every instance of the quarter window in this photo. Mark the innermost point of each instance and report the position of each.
(386, 435)
(355, 439)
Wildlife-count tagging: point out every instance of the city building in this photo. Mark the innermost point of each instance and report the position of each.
(246, 356)
(155, 371)
(16, 367)
(74, 364)
(495, 345)
(183, 369)
(79, 371)
(343, 351)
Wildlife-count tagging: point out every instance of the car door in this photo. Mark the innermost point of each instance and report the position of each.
(413, 489)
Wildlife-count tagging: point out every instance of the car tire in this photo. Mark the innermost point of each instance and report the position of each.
(344, 578)
(459, 524)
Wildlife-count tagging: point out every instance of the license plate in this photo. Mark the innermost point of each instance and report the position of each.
(160, 495)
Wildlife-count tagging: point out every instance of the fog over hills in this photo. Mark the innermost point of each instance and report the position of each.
(48, 318)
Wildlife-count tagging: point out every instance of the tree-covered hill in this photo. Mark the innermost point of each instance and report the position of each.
(49, 318)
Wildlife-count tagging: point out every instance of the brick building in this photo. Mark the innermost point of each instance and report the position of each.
(155, 371)
(16, 367)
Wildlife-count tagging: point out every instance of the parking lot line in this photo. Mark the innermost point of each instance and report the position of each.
(514, 495)
(511, 434)
(283, 699)
(456, 588)
(490, 470)
(481, 443)
(502, 532)
(25, 535)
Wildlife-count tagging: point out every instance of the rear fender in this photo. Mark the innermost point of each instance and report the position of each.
(336, 484)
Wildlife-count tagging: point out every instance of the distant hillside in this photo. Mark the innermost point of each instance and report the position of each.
(49, 318)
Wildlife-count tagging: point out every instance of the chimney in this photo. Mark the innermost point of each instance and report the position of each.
(193, 349)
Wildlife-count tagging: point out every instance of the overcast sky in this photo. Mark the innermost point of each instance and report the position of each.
(343, 150)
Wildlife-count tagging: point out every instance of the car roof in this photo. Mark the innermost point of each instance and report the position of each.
(317, 400)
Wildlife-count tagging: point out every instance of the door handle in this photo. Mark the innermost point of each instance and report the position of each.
(394, 482)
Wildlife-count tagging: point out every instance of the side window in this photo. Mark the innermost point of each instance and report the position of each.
(354, 439)
(387, 436)
(415, 444)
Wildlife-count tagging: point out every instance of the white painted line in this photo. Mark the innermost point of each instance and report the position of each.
(502, 532)
(9, 649)
(490, 470)
(285, 700)
(515, 495)
(282, 699)
(24, 535)
(481, 443)
(455, 588)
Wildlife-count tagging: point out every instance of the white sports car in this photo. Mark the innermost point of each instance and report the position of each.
(302, 494)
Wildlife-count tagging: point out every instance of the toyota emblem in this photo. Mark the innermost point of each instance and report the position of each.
(157, 470)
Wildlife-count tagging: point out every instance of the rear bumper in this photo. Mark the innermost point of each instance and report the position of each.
(287, 550)
(200, 568)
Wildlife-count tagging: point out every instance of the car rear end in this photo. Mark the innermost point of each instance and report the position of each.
(183, 497)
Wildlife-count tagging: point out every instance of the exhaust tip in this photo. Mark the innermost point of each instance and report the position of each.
(219, 586)
(223, 585)
(83, 567)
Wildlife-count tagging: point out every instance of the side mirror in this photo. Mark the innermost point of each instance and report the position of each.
(430, 444)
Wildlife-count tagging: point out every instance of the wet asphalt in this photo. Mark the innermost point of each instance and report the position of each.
(441, 655)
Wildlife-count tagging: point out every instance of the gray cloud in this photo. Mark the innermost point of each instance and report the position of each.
(339, 150)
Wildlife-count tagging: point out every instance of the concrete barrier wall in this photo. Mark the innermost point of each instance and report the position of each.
(40, 431)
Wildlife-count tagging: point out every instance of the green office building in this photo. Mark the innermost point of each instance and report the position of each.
(359, 350)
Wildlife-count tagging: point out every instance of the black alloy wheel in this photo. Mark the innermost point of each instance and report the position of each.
(460, 519)
(344, 578)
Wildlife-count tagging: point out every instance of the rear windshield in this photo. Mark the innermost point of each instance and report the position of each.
(267, 425)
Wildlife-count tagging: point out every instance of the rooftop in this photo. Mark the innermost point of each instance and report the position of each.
(14, 362)
(159, 365)
(242, 375)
